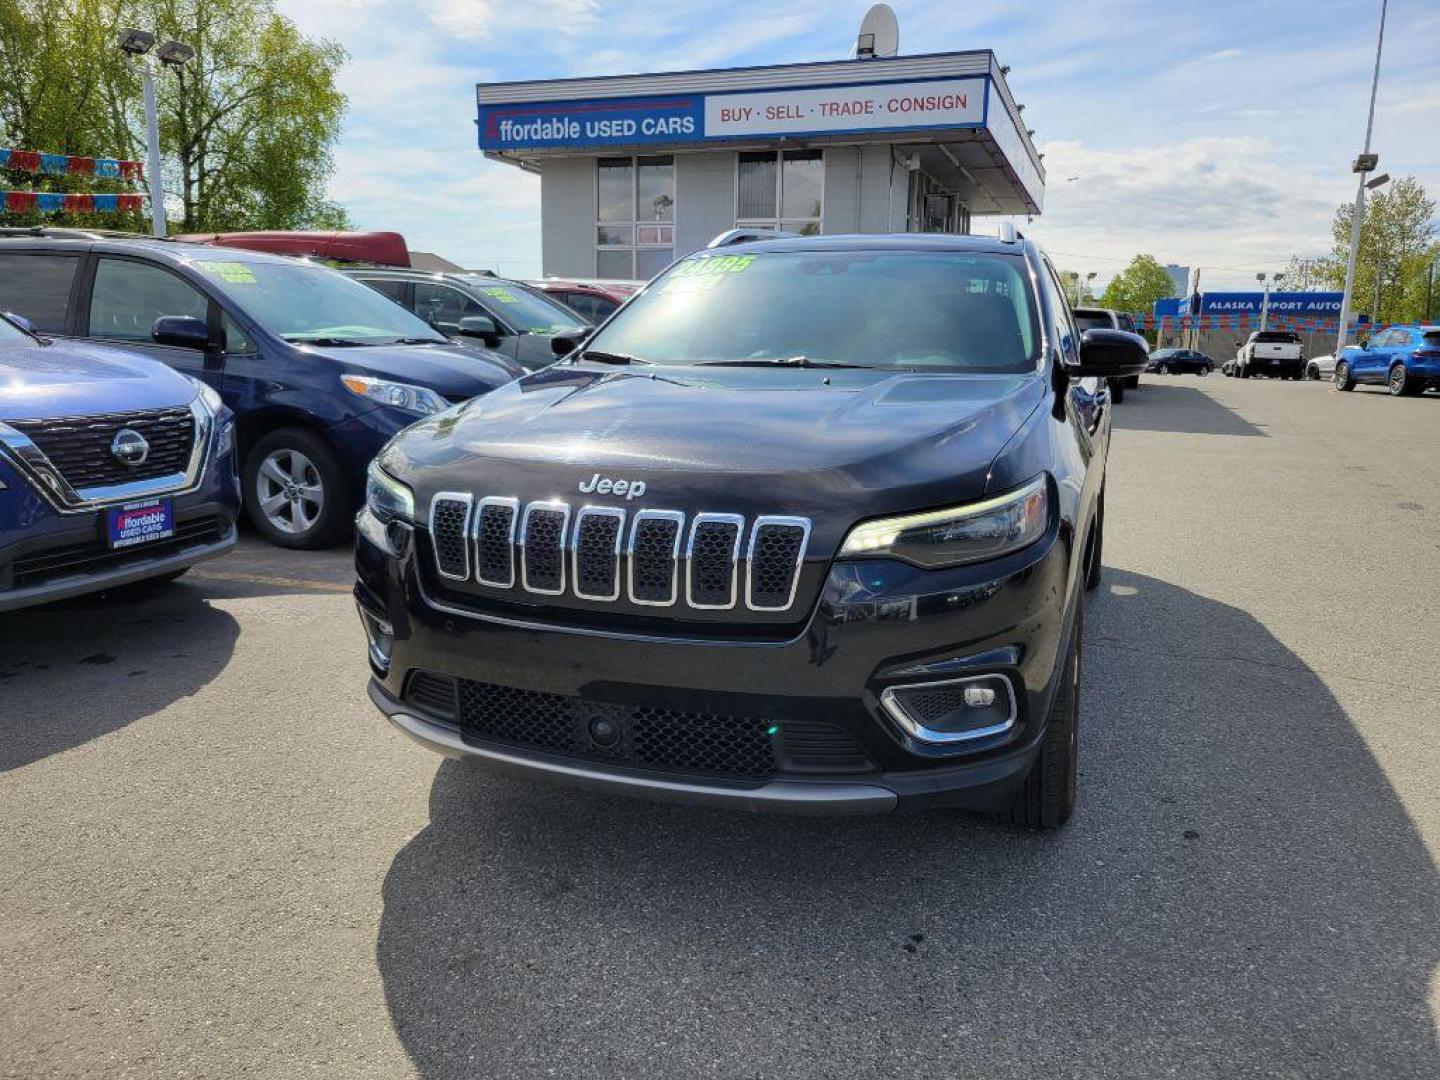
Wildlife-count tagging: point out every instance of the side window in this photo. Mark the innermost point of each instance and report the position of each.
(236, 340)
(38, 287)
(1127, 323)
(444, 307)
(1066, 335)
(393, 289)
(129, 296)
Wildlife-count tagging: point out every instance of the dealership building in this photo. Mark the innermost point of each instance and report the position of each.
(636, 170)
(1214, 321)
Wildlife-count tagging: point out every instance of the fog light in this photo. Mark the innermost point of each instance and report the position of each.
(953, 711)
(380, 638)
(979, 697)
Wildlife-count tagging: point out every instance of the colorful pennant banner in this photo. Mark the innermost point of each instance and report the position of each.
(41, 164)
(55, 202)
(1240, 322)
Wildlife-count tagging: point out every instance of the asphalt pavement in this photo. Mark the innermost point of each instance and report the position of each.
(217, 861)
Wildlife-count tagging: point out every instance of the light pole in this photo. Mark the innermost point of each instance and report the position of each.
(1364, 165)
(1088, 279)
(137, 45)
(1372, 185)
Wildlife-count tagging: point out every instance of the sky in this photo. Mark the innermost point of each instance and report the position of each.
(1215, 135)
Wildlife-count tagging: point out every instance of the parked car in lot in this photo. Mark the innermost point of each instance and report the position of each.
(826, 550)
(319, 370)
(1179, 362)
(1272, 353)
(1096, 318)
(506, 315)
(113, 470)
(1320, 367)
(594, 301)
(1406, 359)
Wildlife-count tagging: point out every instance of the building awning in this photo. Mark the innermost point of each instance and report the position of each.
(955, 108)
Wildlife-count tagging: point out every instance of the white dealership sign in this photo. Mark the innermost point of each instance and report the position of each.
(936, 103)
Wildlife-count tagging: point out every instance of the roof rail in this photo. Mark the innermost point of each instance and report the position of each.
(61, 232)
(745, 236)
(1009, 234)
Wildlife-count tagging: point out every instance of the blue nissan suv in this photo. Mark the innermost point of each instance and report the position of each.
(319, 370)
(113, 470)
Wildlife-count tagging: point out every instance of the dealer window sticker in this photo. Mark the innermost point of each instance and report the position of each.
(232, 273)
(505, 296)
(714, 264)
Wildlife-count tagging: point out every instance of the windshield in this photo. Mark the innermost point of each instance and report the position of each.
(303, 302)
(883, 309)
(10, 334)
(1091, 321)
(528, 311)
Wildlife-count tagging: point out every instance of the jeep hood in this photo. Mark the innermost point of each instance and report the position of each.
(746, 440)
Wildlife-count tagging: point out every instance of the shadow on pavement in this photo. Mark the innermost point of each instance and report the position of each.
(73, 671)
(1163, 406)
(1241, 893)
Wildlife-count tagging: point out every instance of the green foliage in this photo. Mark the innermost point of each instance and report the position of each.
(1136, 288)
(1075, 284)
(246, 128)
(1397, 246)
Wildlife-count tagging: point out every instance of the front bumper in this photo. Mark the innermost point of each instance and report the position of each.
(877, 625)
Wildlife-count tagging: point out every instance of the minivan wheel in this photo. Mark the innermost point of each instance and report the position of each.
(1343, 381)
(1047, 797)
(294, 492)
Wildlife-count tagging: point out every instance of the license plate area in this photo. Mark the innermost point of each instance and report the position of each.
(139, 523)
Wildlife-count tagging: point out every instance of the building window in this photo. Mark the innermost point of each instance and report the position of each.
(933, 209)
(780, 190)
(634, 216)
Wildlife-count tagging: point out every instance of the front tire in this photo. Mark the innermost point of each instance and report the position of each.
(1312, 373)
(294, 490)
(1343, 379)
(1117, 390)
(1046, 799)
(1163, 369)
(1203, 372)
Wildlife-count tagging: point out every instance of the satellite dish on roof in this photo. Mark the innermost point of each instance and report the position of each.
(879, 34)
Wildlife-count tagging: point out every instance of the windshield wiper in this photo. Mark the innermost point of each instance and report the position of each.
(783, 361)
(323, 342)
(421, 341)
(610, 357)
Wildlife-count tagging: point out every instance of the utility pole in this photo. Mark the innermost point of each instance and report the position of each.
(1264, 300)
(1429, 288)
(1364, 164)
(152, 151)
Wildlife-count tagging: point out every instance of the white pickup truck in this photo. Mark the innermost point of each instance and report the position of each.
(1276, 353)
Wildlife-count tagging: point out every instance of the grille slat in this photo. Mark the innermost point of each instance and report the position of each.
(495, 541)
(776, 547)
(713, 553)
(655, 557)
(598, 534)
(450, 534)
(542, 547)
(79, 447)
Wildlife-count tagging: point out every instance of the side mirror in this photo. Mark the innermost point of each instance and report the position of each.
(182, 331)
(481, 326)
(22, 322)
(1110, 354)
(565, 344)
(1238, 344)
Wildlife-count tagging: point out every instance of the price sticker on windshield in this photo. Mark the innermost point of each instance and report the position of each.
(232, 273)
(505, 296)
(713, 264)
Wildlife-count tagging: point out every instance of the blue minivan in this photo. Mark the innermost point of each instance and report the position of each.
(113, 470)
(320, 370)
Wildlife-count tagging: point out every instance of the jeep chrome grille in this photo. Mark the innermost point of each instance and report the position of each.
(603, 553)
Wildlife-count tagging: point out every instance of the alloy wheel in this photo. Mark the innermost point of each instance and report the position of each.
(289, 490)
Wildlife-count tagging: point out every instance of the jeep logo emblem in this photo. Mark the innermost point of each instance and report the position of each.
(603, 485)
(129, 447)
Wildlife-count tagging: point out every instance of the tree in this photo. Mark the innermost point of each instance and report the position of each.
(246, 127)
(1136, 288)
(1397, 246)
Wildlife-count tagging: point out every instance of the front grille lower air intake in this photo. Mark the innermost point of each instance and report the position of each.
(652, 558)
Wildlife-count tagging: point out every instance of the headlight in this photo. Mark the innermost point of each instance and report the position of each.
(962, 534)
(386, 497)
(420, 400)
(208, 397)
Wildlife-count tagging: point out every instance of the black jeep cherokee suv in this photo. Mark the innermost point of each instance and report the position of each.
(806, 526)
